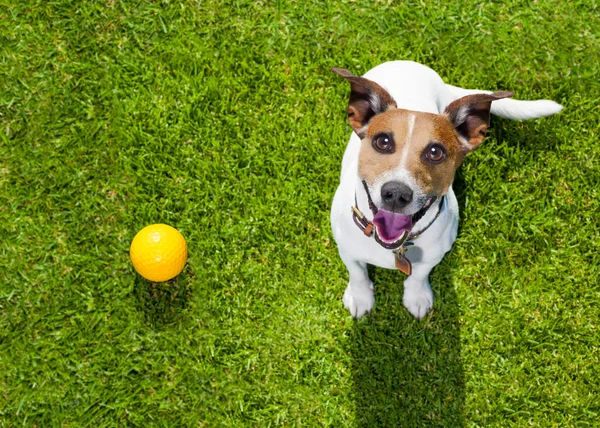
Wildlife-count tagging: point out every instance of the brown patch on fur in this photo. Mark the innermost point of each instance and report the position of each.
(371, 163)
(427, 128)
(434, 128)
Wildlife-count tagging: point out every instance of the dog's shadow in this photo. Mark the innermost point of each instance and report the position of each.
(408, 372)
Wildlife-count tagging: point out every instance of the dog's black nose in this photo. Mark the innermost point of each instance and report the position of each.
(395, 195)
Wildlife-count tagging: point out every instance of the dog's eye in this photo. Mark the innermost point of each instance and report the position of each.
(383, 143)
(434, 153)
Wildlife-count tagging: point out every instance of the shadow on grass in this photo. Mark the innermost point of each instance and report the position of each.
(162, 303)
(409, 373)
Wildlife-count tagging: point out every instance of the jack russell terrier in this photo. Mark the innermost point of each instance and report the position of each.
(394, 207)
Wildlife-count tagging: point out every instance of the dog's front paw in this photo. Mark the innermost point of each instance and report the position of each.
(418, 301)
(359, 300)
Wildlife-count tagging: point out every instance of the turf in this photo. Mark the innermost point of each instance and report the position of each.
(223, 120)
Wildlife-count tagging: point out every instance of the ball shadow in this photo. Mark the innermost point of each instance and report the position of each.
(162, 303)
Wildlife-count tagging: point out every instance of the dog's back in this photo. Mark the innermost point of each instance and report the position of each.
(413, 86)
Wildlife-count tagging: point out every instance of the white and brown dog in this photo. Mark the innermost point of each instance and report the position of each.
(394, 207)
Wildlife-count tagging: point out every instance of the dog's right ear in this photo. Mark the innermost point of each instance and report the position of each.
(470, 115)
(367, 99)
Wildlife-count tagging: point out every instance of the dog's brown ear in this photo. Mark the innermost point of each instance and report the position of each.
(470, 116)
(367, 99)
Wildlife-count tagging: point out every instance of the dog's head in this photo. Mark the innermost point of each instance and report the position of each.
(408, 158)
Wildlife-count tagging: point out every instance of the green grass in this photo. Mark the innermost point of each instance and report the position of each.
(223, 120)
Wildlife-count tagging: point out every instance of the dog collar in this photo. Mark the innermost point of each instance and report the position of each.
(399, 246)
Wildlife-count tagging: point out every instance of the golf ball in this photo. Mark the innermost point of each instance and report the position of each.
(158, 252)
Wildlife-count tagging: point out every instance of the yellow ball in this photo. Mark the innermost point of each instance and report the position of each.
(158, 252)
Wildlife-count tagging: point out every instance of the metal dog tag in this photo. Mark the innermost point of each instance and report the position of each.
(402, 262)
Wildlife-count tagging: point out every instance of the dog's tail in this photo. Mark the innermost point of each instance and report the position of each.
(512, 109)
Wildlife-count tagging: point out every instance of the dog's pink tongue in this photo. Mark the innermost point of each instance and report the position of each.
(390, 225)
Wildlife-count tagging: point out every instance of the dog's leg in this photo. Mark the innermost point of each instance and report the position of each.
(358, 297)
(418, 297)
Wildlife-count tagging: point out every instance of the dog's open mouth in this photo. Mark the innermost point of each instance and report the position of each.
(391, 227)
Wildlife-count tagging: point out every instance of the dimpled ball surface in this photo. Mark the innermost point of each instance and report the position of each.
(158, 252)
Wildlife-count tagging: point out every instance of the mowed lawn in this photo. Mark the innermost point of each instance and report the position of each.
(223, 120)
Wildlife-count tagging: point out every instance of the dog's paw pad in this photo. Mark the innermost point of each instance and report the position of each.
(418, 303)
(359, 301)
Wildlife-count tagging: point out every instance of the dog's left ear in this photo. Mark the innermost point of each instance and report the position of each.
(470, 116)
(367, 99)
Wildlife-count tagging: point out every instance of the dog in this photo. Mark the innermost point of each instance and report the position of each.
(394, 207)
